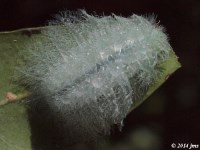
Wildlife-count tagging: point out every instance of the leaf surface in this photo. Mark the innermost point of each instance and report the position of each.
(15, 133)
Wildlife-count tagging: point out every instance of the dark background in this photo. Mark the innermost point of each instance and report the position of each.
(173, 112)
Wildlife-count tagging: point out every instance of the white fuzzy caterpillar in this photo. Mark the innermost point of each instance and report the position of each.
(91, 70)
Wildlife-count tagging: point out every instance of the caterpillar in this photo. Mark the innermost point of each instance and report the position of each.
(90, 70)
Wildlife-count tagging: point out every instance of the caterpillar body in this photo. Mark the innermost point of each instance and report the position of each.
(91, 70)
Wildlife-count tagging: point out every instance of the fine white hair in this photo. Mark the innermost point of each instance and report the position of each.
(90, 70)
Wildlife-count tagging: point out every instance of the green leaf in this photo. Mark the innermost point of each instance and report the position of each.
(14, 126)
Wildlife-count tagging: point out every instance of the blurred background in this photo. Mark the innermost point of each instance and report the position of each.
(172, 113)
